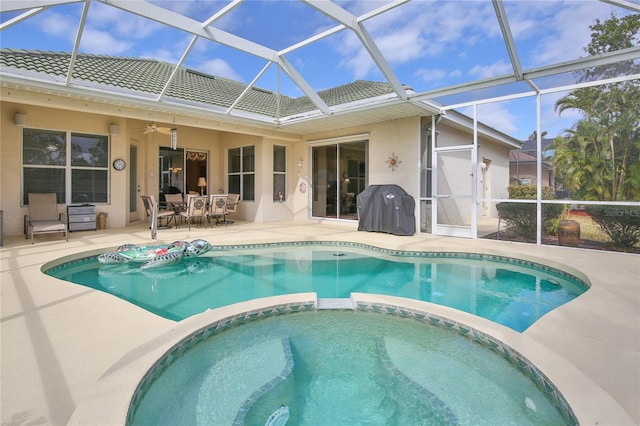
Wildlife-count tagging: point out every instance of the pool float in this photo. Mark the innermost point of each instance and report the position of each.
(155, 256)
(278, 417)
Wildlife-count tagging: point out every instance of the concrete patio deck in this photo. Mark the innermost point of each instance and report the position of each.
(58, 339)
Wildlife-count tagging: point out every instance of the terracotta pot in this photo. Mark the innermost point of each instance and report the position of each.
(569, 233)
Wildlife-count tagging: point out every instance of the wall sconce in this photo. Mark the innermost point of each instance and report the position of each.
(20, 120)
(202, 182)
(174, 139)
(299, 164)
(113, 129)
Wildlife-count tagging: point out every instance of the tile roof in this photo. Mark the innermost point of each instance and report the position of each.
(149, 76)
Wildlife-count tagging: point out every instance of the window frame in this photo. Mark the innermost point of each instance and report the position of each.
(279, 174)
(67, 165)
(245, 172)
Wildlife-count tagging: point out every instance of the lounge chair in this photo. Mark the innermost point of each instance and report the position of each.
(150, 205)
(196, 208)
(43, 217)
(218, 208)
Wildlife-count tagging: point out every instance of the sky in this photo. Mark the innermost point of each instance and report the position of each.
(428, 45)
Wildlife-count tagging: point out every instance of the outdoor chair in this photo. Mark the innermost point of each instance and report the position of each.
(218, 208)
(163, 217)
(175, 202)
(196, 208)
(43, 217)
(232, 205)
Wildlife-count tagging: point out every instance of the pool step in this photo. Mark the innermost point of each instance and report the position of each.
(335, 303)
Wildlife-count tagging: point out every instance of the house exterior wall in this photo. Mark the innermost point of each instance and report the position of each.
(399, 138)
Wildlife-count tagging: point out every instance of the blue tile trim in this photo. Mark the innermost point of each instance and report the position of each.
(542, 382)
(398, 253)
(203, 333)
(286, 371)
(425, 394)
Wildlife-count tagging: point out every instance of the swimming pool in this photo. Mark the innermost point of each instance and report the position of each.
(345, 368)
(511, 292)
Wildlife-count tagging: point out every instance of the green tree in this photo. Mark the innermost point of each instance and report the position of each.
(598, 157)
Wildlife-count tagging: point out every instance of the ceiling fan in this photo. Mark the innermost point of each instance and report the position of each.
(154, 128)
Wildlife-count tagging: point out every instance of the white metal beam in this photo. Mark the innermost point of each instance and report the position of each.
(508, 37)
(341, 27)
(177, 67)
(15, 5)
(76, 44)
(186, 24)
(635, 7)
(249, 87)
(28, 14)
(304, 86)
(628, 54)
(342, 16)
(228, 8)
(181, 22)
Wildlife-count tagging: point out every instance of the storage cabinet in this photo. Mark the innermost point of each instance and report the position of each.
(81, 218)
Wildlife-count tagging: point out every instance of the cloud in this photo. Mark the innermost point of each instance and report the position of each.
(499, 116)
(102, 43)
(418, 31)
(58, 25)
(220, 68)
(120, 23)
(431, 75)
(434, 77)
(554, 34)
(493, 70)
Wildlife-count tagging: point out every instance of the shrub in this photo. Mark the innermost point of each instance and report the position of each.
(528, 192)
(620, 223)
(521, 217)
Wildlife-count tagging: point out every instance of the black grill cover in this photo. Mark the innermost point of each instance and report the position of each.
(386, 208)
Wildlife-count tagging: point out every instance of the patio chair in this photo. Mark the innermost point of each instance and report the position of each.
(150, 205)
(43, 217)
(232, 205)
(175, 202)
(196, 208)
(218, 208)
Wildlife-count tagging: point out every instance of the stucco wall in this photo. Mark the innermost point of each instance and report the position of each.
(399, 139)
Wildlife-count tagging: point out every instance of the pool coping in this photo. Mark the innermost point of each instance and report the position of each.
(110, 400)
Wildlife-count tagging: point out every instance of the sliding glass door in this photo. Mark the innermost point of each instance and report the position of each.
(339, 174)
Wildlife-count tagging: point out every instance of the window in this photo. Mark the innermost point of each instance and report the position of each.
(73, 165)
(279, 173)
(241, 174)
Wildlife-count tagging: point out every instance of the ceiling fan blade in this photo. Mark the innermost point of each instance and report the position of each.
(164, 130)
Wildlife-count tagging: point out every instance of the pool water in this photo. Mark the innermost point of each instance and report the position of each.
(341, 368)
(511, 292)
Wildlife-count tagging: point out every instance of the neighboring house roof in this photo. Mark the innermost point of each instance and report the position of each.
(522, 157)
(532, 144)
(149, 76)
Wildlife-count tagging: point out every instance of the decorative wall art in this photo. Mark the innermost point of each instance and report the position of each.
(393, 162)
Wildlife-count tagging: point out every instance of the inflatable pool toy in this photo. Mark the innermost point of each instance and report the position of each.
(155, 256)
(278, 417)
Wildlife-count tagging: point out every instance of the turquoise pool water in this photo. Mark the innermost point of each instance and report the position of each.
(342, 368)
(511, 292)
